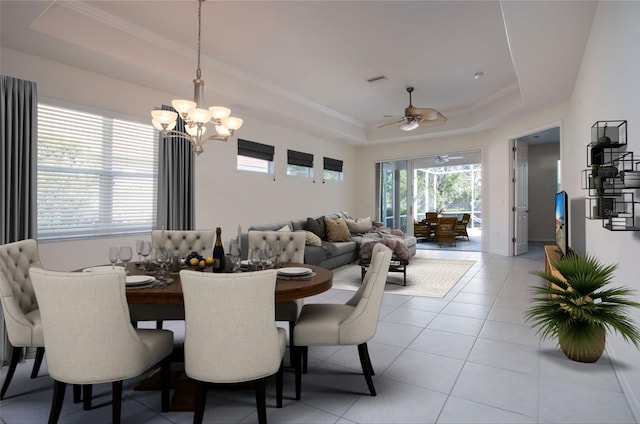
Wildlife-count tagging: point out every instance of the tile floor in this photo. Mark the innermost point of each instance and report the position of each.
(467, 358)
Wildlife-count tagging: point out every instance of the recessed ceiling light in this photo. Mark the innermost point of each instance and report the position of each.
(478, 75)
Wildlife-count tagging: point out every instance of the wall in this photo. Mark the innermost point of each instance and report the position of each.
(542, 187)
(607, 88)
(225, 196)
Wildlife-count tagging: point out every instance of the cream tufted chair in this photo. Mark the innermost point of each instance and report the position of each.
(95, 316)
(19, 306)
(183, 242)
(292, 244)
(353, 323)
(230, 333)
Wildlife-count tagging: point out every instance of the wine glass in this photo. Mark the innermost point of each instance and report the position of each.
(164, 258)
(269, 255)
(125, 254)
(145, 251)
(139, 244)
(255, 256)
(278, 251)
(113, 256)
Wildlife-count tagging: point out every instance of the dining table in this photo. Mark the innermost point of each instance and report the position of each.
(287, 288)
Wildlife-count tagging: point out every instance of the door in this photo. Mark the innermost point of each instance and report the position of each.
(394, 195)
(521, 197)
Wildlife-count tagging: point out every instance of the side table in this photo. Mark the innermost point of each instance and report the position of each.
(396, 265)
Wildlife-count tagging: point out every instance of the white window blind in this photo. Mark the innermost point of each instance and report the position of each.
(97, 175)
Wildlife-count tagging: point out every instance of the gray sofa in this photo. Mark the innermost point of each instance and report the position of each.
(331, 254)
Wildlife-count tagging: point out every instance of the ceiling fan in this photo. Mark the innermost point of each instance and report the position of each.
(415, 117)
(440, 159)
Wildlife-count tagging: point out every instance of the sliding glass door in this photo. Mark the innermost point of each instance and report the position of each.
(394, 194)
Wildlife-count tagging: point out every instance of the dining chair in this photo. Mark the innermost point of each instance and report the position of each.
(183, 242)
(230, 333)
(292, 245)
(461, 226)
(19, 306)
(432, 221)
(352, 323)
(445, 230)
(95, 316)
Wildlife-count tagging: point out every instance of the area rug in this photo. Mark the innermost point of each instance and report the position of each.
(425, 277)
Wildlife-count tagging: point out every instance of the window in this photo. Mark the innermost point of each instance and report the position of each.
(97, 174)
(299, 164)
(332, 169)
(255, 157)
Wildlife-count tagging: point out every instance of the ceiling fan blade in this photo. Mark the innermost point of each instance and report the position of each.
(387, 124)
(441, 119)
(393, 116)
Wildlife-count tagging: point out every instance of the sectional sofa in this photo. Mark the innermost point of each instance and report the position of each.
(332, 254)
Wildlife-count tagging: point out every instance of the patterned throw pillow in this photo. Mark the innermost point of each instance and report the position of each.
(312, 239)
(337, 229)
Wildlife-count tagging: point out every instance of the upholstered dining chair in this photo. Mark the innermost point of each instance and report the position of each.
(19, 305)
(446, 230)
(352, 323)
(292, 245)
(181, 243)
(90, 310)
(230, 333)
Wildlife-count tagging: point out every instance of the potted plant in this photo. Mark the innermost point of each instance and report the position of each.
(578, 309)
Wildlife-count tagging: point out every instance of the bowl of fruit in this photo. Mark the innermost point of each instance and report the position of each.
(197, 261)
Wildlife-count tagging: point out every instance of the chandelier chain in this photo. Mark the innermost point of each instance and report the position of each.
(198, 72)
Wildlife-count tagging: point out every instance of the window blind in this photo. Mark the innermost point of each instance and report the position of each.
(97, 175)
(332, 164)
(299, 158)
(255, 150)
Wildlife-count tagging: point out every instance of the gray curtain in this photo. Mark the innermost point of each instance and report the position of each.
(175, 182)
(18, 168)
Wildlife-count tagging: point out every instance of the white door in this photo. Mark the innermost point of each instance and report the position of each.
(521, 196)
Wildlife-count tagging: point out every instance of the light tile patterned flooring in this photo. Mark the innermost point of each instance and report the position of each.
(467, 358)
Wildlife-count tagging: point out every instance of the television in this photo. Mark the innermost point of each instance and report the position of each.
(562, 222)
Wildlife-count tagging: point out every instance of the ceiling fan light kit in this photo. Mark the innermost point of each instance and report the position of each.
(415, 117)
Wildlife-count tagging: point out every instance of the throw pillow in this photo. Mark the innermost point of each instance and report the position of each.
(360, 225)
(317, 227)
(337, 229)
(312, 239)
(284, 229)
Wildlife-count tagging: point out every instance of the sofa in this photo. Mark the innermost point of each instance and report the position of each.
(326, 252)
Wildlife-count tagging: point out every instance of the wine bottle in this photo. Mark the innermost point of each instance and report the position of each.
(218, 253)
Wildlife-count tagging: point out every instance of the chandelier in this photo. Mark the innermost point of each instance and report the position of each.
(194, 115)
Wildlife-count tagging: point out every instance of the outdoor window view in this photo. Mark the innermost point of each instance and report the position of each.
(440, 187)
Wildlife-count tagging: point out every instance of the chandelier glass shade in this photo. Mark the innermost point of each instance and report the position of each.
(194, 115)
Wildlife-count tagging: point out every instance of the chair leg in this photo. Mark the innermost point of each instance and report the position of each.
(16, 352)
(261, 403)
(298, 365)
(292, 325)
(165, 377)
(305, 358)
(279, 387)
(37, 362)
(77, 393)
(87, 395)
(116, 406)
(56, 403)
(159, 324)
(201, 401)
(367, 368)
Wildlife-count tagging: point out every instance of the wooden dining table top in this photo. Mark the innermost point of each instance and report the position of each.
(286, 289)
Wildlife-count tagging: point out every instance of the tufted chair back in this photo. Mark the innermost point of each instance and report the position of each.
(292, 243)
(183, 242)
(19, 304)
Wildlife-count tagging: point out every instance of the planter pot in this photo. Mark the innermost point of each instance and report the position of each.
(591, 353)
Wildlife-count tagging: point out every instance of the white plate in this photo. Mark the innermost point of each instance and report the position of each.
(294, 271)
(101, 268)
(136, 280)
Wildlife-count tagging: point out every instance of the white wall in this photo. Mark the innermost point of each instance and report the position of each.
(607, 89)
(542, 188)
(224, 196)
